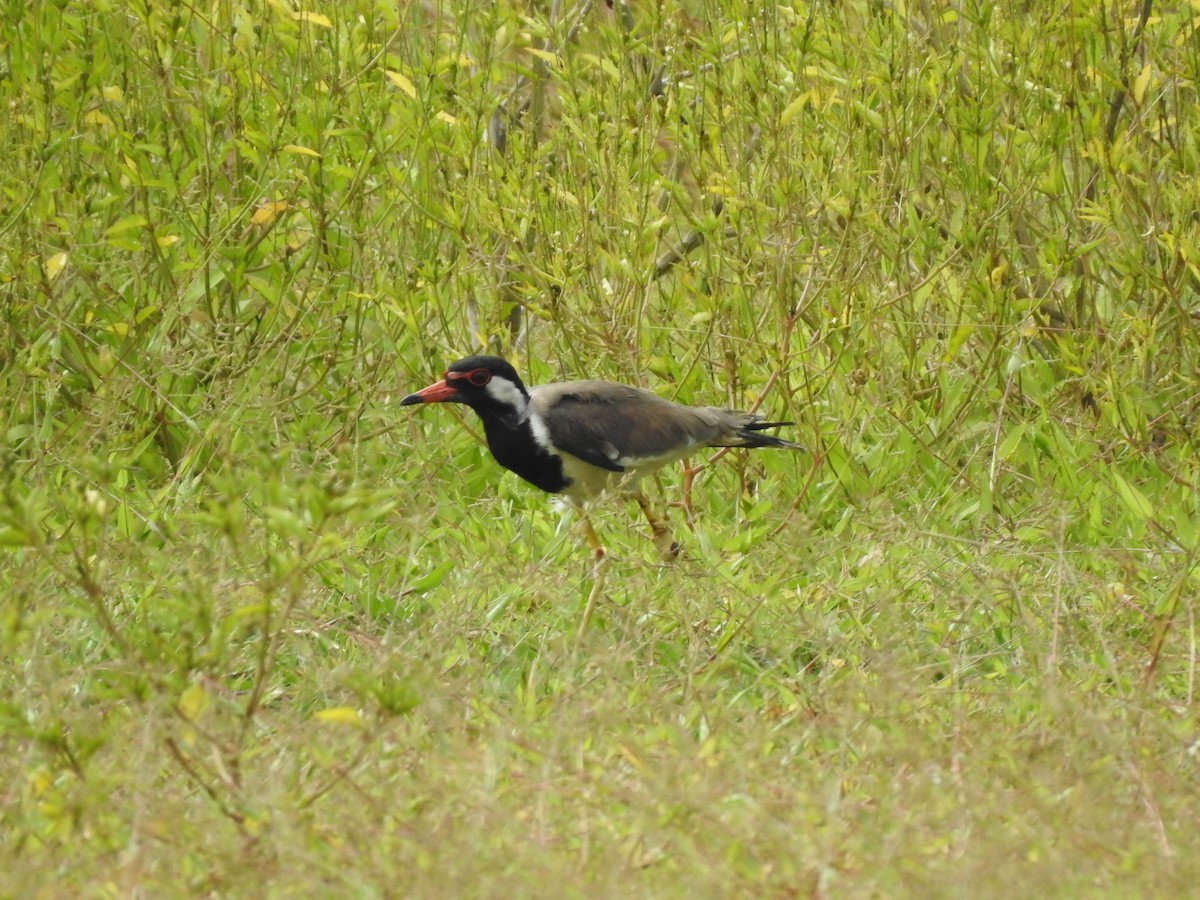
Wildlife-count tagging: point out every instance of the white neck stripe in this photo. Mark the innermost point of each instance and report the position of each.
(505, 392)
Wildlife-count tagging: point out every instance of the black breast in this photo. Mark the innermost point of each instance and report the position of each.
(516, 450)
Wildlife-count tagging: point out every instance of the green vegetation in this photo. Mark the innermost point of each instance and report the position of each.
(265, 633)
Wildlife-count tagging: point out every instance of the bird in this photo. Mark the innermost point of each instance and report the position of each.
(580, 438)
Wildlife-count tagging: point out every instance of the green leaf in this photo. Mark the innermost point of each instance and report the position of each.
(11, 536)
(1134, 500)
(127, 224)
(1010, 442)
(432, 579)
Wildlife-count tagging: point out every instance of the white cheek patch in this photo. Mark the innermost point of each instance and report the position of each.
(541, 434)
(504, 391)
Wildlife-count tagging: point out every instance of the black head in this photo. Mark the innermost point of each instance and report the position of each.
(481, 382)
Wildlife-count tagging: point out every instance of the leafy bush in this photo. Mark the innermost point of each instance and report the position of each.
(263, 626)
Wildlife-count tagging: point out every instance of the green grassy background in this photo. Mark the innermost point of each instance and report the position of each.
(265, 633)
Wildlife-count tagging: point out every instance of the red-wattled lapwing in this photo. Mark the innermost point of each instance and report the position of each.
(577, 438)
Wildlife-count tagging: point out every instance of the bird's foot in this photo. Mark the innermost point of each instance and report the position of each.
(668, 547)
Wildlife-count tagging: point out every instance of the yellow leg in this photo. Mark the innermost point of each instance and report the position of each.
(689, 475)
(599, 570)
(662, 537)
(593, 539)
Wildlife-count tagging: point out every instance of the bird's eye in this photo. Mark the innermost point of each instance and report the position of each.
(479, 377)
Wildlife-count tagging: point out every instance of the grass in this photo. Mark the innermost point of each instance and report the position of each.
(266, 633)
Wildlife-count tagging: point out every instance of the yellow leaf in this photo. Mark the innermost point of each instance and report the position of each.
(268, 212)
(303, 151)
(193, 702)
(298, 239)
(566, 196)
(342, 715)
(112, 93)
(606, 65)
(1140, 84)
(257, 825)
(447, 118)
(54, 265)
(41, 781)
(121, 329)
(633, 758)
(460, 60)
(402, 82)
(168, 240)
(95, 117)
(544, 55)
(313, 18)
(719, 187)
(794, 108)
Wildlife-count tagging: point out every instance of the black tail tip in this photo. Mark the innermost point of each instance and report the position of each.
(760, 426)
(754, 439)
(766, 440)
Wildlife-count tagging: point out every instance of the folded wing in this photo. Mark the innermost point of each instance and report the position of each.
(615, 427)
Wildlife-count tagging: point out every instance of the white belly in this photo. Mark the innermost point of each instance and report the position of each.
(587, 480)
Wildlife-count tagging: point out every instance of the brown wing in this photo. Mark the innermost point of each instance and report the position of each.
(615, 426)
